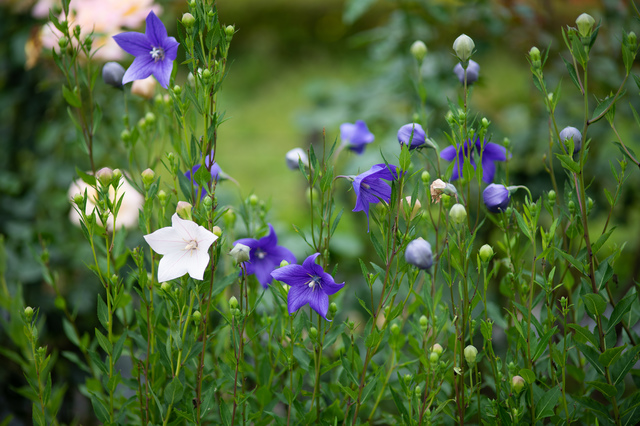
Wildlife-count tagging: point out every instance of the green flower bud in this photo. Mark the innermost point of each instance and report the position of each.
(240, 253)
(148, 176)
(177, 90)
(407, 379)
(165, 286)
(28, 313)
(184, 210)
(517, 384)
(283, 263)
(589, 203)
(423, 322)
(233, 302)
(470, 353)
(632, 39)
(188, 20)
(313, 333)
(434, 358)
(229, 218)
(150, 118)
(104, 176)
(197, 317)
(418, 50)
(572, 207)
(125, 135)
(458, 214)
(463, 46)
(485, 122)
(395, 330)
(79, 201)
(207, 201)
(333, 308)
(217, 231)
(437, 349)
(486, 253)
(418, 391)
(162, 197)
(117, 175)
(552, 196)
(253, 200)
(63, 42)
(426, 177)
(229, 31)
(585, 24)
(534, 56)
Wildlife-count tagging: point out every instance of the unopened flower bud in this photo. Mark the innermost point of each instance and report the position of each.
(485, 123)
(313, 333)
(572, 207)
(419, 50)
(473, 72)
(552, 196)
(117, 175)
(407, 379)
(534, 56)
(470, 353)
(150, 118)
(283, 263)
(188, 20)
(125, 135)
(104, 176)
(28, 313)
(589, 203)
(217, 231)
(395, 329)
(112, 73)
(517, 384)
(632, 39)
(165, 286)
(233, 302)
(63, 42)
(496, 197)
(177, 90)
(412, 134)
(458, 214)
(162, 196)
(418, 391)
(253, 200)
(79, 201)
(333, 308)
(293, 156)
(418, 253)
(414, 211)
(426, 177)
(184, 210)
(463, 46)
(229, 31)
(423, 322)
(434, 358)
(437, 348)
(585, 24)
(240, 253)
(486, 253)
(571, 133)
(148, 176)
(196, 316)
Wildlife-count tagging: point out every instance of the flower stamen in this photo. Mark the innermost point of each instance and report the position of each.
(157, 53)
(191, 245)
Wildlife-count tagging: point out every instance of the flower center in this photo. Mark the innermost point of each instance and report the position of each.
(260, 254)
(315, 280)
(191, 245)
(157, 53)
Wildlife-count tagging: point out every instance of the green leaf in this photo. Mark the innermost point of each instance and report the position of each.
(100, 408)
(595, 247)
(625, 364)
(585, 334)
(523, 226)
(620, 310)
(610, 355)
(117, 349)
(104, 342)
(400, 405)
(572, 73)
(544, 407)
(70, 332)
(605, 388)
(71, 97)
(202, 176)
(103, 312)
(543, 343)
(591, 355)
(595, 304)
(528, 375)
(603, 106)
(174, 390)
(354, 9)
(570, 259)
(568, 163)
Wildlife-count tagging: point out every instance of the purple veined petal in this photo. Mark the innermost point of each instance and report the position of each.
(319, 302)
(162, 72)
(155, 31)
(170, 46)
(294, 275)
(449, 153)
(141, 68)
(329, 286)
(493, 151)
(165, 240)
(488, 169)
(136, 44)
(270, 240)
(379, 189)
(298, 297)
(172, 266)
(310, 261)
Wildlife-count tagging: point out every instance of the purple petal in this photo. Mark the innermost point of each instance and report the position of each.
(294, 275)
(269, 241)
(279, 253)
(495, 152)
(309, 262)
(136, 44)
(155, 31)
(162, 72)
(262, 270)
(298, 297)
(346, 131)
(141, 68)
(488, 169)
(170, 46)
(449, 153)
(329, 286)
(319, 302)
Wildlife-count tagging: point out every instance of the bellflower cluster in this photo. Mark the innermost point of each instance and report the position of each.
(370, 189)
(309, 284)
(489, 152)
(154, 52)
(185, 249)
(216, 173)
(496, 197)
(265, 255)
(356, 136)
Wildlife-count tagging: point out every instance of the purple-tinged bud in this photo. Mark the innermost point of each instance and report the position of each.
(188, 20)
(217, 231)
(496, 197)
(585, 24)
(571, 132)
(463, 46)
(293, 156)
(112, 73)
(418, 253)
(517, 384)
(437, 348)
(184, 210)
(105, 176)
(470, 353)
(412, 135)
(473, 71)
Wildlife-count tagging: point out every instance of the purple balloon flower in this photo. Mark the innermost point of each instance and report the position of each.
(215, 174)
(309, 284)
(370, 189)
(265, 256)
(356, 136)
(473, 70)
(412, 134)
(154, 52)
(490, 152)
(496, 197)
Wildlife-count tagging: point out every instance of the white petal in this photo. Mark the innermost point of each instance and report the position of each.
(172, 266)
(205, 238)
(196, 262)
(187, 229)
(165, 241)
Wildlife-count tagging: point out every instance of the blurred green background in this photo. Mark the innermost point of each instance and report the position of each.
(298, 67)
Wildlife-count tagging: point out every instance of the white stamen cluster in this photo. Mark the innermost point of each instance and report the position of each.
(157, 53)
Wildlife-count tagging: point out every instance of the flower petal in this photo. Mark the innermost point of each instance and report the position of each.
(329, 286)
(172, 266)
(319, 302)
(493, 151)
(162, 72)
(268, 241)
(488, 169)
(449, 153)
(187, 229)
(141, 68)
(165, 241)
(294, 275)
(155, 31)
(262, 269)
(196, 262)
(136, 44)
(170, 46)
(298, 297)
(309, 262)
